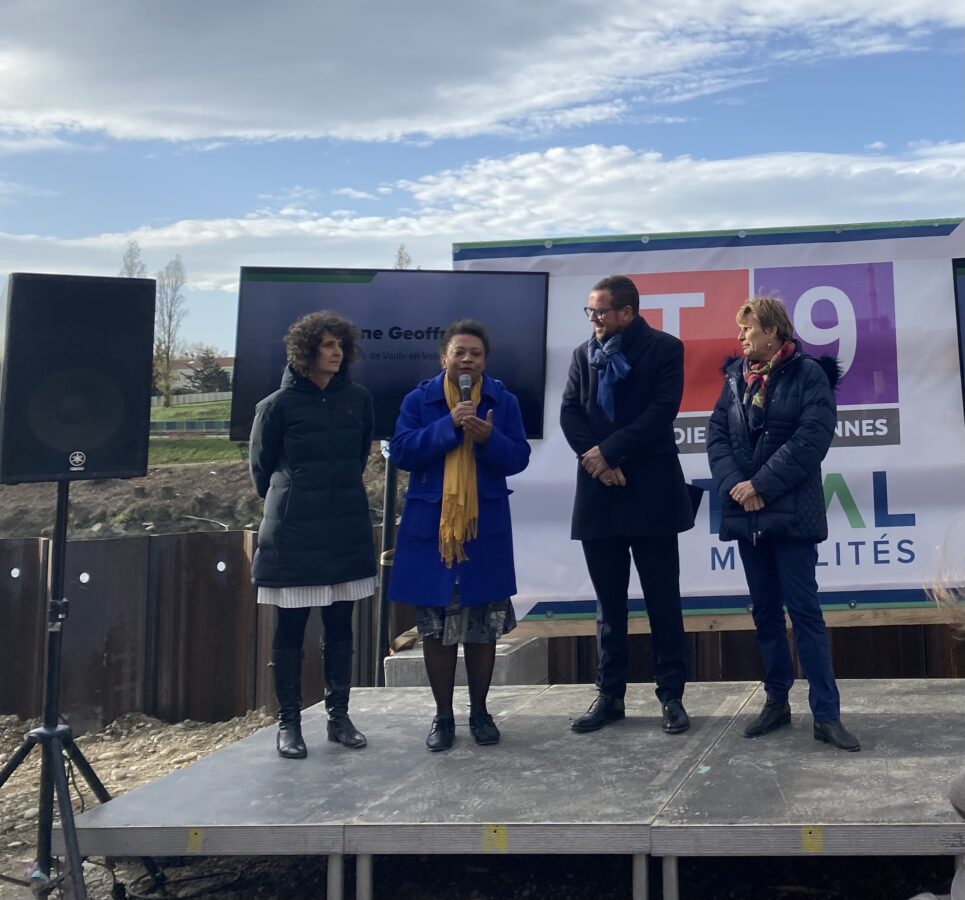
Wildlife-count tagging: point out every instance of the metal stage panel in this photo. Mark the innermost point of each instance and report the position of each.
(628, 788)
(785, 794)
(544, 789)
(541, 789)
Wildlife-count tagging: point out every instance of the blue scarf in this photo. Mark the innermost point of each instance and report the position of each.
(612, 367)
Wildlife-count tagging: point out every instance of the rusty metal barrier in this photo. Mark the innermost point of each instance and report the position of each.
(168, 625)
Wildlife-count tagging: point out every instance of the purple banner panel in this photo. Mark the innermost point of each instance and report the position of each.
(845, 311)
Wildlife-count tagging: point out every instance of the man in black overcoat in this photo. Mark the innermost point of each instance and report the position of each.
(621, 398)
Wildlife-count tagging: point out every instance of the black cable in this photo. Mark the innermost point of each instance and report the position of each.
(230, 878)
(72, 781)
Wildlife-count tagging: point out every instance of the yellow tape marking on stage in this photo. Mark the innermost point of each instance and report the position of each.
(495, 838)
(195, 840)
(812, 839)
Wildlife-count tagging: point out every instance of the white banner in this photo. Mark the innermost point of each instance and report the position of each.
(879, 297)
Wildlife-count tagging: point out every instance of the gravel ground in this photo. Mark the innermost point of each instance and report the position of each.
(137, 749)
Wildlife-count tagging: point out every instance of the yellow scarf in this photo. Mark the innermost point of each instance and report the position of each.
(460, 501)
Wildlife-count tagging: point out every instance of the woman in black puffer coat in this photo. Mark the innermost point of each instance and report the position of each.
(309, 445)
(768, 434)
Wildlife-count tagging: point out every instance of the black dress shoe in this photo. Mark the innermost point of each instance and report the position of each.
(675, 718)
(603, 710)
(775, 714)
(835, 734)
(483, 729)
(441, 734)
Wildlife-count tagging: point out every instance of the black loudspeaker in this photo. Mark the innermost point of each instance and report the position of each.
(75, 377)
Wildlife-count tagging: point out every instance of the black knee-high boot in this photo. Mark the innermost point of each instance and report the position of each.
(337, 659)
(287, 668)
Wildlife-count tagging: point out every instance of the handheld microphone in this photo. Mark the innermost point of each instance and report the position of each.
(465, 385)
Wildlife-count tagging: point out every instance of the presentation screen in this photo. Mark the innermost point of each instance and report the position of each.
(402, 315)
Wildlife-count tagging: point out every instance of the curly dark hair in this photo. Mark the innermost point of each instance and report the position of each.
(464, 326)
(305, 335)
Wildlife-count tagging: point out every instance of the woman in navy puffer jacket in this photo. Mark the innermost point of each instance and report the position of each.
(309, 444)
(768, 434)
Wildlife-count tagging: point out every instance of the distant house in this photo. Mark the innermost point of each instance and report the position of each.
(181, 370)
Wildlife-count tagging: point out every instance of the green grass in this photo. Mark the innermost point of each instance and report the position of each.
(171, 451)
(217, 409)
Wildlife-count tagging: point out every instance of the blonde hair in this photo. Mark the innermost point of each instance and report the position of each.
(770, 312)
(948, 590)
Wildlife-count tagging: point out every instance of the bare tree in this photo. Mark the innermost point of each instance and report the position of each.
(197, 349)
(132, 266)
(402, 258)
(168, 316)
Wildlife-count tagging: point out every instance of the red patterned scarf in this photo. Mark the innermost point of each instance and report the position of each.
(756, 378)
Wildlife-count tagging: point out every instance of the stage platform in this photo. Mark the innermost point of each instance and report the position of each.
(626, 789)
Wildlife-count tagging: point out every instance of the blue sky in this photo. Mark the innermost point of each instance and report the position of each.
(306, 134)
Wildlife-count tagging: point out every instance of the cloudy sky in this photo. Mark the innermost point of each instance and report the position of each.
(235, 132)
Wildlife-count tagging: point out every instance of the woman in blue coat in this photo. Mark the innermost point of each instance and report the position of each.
(768, 434)
(459, 435)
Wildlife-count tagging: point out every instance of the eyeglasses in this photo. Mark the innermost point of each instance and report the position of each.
(600, 311)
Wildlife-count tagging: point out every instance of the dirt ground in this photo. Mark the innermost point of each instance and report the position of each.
(195, 497)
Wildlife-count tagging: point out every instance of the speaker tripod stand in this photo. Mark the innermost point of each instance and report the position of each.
(55, 739)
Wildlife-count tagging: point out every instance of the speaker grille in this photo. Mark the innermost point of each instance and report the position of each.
(76, 409)
(76, 377)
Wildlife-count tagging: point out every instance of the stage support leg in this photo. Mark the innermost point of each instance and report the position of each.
(385, 568)
(334, 887)
(958, 882)
(671, 883)
(363, 876)
(641, 887)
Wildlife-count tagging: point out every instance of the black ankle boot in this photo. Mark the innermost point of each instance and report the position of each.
(286, 666)
(674, 717)
(775, 714)
(835, 734)
(337, 661)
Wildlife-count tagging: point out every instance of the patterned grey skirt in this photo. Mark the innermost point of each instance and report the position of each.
(472, 625)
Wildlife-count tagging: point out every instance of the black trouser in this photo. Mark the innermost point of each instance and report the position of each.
(290, 625)
(658, 565)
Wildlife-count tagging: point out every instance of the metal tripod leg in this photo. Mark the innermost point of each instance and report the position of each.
(55, 739)
(77, 757)
(21, 753)
(55, 750)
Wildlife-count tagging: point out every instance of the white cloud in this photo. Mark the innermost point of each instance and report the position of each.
(593, 189)
(587, 190)
(13, 190)
(353, 194)
(396, 71)
(16, 142)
